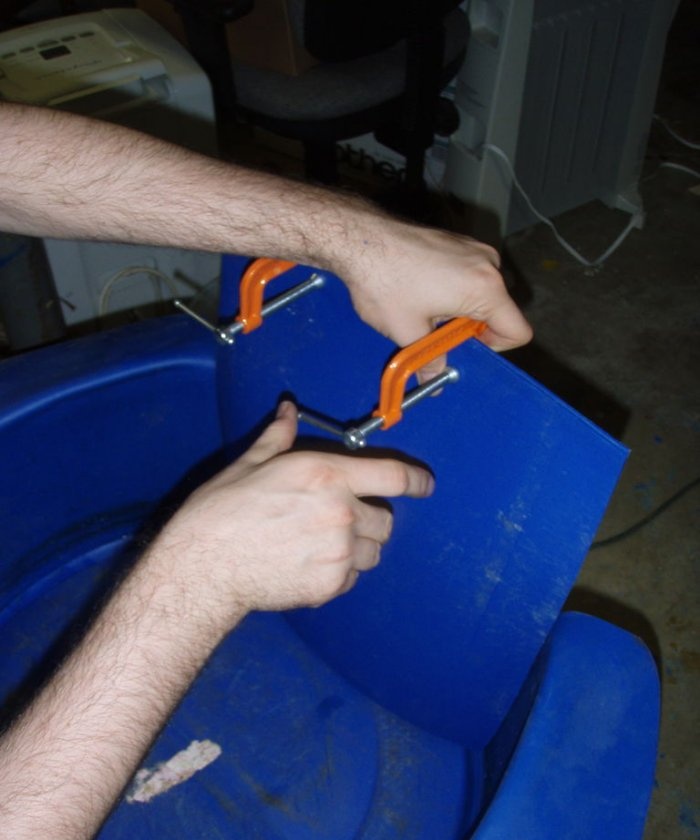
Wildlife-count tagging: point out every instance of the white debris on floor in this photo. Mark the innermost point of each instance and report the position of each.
(152, 781)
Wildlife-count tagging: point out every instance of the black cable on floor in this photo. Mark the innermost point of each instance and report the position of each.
(648, 518)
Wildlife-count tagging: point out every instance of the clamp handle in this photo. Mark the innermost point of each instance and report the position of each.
(256, 277)
(409, 360)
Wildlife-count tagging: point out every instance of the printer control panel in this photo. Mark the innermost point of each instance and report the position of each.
(40, 65)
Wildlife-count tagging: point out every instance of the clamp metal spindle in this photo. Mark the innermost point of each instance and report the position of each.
(228, 334)
(218, 332)
(356, 436)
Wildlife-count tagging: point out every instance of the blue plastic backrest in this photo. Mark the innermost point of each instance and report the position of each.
(106, 425)
(445, 630)
(582, 763)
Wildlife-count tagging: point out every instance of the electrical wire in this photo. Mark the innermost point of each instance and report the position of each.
(679, 167)
(634, 221)
(667, 164)
(650, 517)
(682, 140)
(152, 273)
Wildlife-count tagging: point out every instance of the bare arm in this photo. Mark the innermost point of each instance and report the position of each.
(273, 531)
(68, 176)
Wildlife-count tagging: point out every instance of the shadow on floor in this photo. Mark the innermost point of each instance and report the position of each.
(584, 396)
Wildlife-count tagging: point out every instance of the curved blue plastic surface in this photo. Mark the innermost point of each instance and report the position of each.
(94, 435)
(584, 764)
(304, 755)
(446, 629)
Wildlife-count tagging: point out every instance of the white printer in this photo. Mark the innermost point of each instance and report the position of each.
(118, 65)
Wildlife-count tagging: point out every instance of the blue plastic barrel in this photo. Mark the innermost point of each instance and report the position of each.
(444, 697)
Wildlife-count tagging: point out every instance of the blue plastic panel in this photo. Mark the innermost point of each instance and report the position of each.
(446, 629)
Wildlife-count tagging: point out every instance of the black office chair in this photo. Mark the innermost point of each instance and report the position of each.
(382, 65)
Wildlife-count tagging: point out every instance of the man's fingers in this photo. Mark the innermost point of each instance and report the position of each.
(373, 522)
(430, 371)
(507, 328)
(366, 554)
(384, 477)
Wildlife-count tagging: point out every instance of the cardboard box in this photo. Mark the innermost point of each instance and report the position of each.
(263, 38)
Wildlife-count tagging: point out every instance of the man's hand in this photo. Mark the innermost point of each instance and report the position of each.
(278, 530)
(404, 280)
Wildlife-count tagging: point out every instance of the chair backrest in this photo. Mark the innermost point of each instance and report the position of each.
(444, 631)
(339, 30)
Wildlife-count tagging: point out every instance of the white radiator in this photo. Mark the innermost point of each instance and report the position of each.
(566, 90)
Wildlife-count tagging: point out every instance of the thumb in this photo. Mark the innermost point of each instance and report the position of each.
(277, 437)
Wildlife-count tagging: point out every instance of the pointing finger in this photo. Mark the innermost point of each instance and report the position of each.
(384, 477)
(372, 522)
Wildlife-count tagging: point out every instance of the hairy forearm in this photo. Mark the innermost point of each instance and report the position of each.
(72, 177)
(65, 761)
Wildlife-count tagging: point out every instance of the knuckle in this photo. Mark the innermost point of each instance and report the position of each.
(318, 472)
(489, 277)
(333, 586)
(338, 551)
(492, 255)
(344, 549)
(341, 514)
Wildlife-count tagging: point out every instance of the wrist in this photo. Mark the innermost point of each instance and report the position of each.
(330, 230)
(354, 241)
(184, 592)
